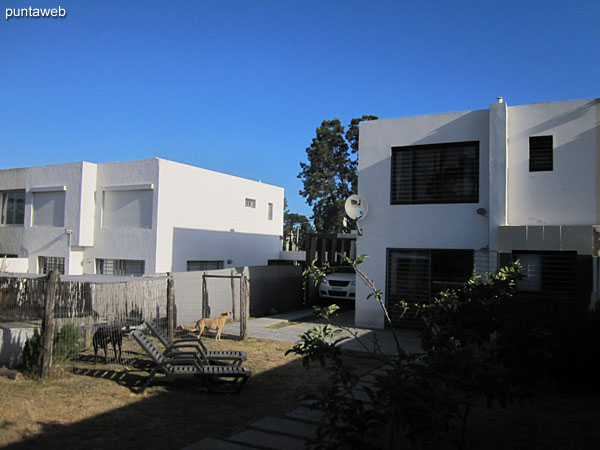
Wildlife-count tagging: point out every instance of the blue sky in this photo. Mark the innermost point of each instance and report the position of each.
(240, 86)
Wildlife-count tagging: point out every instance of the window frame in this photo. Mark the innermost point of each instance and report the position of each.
(206, 263)
(119, 267)
(48, 263)
(541, 153)
(433, 259)
(18, 210)
(270, 211)
(112, 196)
(37, 194)
(250, 203)
(408, 188)
(557, 273)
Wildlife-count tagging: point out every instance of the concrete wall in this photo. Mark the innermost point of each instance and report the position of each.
(31, 240)
(123, 242)
(451, 226)
(569, 194)
(546, 209)
(202, 216)
(14, 265)
(205, 208)
(278, 287)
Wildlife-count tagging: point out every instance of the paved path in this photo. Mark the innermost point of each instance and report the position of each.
(290, 432)
(287, 330)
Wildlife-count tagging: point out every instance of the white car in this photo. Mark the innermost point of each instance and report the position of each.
(340, 284)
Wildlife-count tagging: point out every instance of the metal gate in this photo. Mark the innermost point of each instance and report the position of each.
(226, 293)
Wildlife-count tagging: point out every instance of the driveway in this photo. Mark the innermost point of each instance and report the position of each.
(285, 327)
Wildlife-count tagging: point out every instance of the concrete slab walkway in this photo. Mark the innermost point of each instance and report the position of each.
(286, 328)
(291, 431)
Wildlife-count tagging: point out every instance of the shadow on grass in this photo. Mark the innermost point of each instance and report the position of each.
(170, 415)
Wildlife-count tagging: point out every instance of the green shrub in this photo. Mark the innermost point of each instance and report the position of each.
(66, 343)
(31, 356)
(66, 346)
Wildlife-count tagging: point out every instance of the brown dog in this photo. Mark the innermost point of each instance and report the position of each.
(217, 324)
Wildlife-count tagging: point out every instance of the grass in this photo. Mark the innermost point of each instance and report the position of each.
(96, 408)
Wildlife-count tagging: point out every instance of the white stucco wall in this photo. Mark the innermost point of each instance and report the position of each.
(31, 240)
(451, 226)
(125, 242)
(511, 195)
(11, 236)
(567, 195)
(202, 216)
(87, 206)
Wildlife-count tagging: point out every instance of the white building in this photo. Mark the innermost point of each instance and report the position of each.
(449, 192)
(138, 217)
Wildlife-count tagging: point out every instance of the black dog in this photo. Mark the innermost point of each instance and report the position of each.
(108, 335)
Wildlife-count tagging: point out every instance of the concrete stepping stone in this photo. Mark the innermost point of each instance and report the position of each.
(295, 428)
(306, 414)
(270, 441)
(216, 444)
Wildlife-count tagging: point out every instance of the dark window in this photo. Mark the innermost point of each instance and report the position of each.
(12, 207)
(120, 267)
(204, 265)
(439, 173)
(551, 273)
(46, 264)
(415, 276)
(540, 153)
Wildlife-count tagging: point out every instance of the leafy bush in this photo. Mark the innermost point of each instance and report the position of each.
(470, 314)
(31, 356)
(66, 346)
(423, 398)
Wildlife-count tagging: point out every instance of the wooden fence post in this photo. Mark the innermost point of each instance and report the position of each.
(205, 304)
(48, 323)
(244, 287)
(232, 279)
(170, 306)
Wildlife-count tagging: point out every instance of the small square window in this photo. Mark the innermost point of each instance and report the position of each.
(250, 203)
(540, 154)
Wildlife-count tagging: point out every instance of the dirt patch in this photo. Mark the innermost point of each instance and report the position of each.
(96, 408)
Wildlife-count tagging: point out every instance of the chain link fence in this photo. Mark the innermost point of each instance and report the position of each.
(89, 321)
(70, 322)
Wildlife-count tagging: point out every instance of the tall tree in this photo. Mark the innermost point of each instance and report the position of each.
(295, 228)
(331, 174)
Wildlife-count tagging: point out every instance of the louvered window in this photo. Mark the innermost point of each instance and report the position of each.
(415, 276)
(540, 153)
(204, 265)
(46, 264)
(127, 267)
(438, 173)
(550, 273)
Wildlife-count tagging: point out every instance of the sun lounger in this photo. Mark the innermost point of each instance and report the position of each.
(177, 345)
(216, 377)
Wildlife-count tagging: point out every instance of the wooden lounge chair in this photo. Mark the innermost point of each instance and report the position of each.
(195, 344)
(216, 377)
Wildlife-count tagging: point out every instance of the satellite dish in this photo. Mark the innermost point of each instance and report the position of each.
(356, 207)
